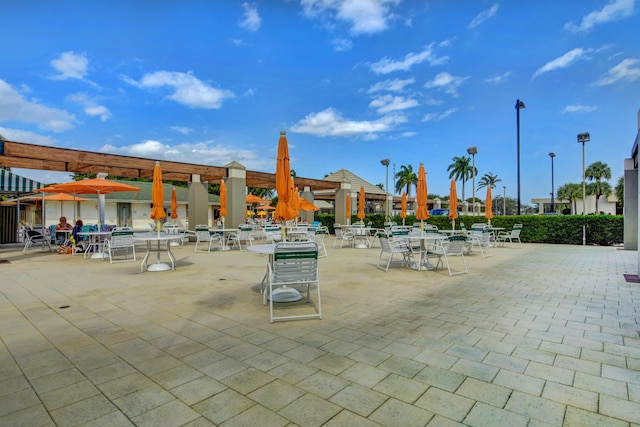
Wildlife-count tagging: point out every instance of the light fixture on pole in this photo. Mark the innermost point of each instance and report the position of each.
(582, 138)
(386, 163)
(473, 151)
(504, 200)
(553, 210)
(519, 106)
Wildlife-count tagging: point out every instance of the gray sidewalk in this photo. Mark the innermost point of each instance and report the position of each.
(545, 335)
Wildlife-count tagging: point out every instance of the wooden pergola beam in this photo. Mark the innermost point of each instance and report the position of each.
(39, 157)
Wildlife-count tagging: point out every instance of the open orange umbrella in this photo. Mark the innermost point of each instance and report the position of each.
(488, 209)
(421, 197)
(99, 186)
(223, 200)
(284, 211)
(347, 202)
(266, 207)
(157, 196)
(252, 198)
(403, 211)
(361, 204)
(174, 204)
(63, 197)
(306, 205)
(453, 204)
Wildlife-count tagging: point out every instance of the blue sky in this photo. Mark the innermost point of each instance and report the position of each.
(351, 81)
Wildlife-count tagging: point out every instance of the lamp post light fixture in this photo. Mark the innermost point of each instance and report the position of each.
(386, 163)
(473, 151)
(582, 138)
(519, 106)
(504, 200)
(552, 155)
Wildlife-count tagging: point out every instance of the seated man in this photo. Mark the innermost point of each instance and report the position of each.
(62, 225)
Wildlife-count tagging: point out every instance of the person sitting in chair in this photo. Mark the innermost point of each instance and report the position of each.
(62, 225)
(75, 236)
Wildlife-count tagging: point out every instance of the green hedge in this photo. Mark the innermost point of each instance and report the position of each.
(602, 230)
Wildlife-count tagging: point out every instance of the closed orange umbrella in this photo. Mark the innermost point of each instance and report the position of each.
(174, 203)
(294, 197)
(403, 211)
(223, 200)
(453, 204)
(361, 204)
(488, 209)
(157, 196)
(421, 197)
(347, 202)
(284, 211)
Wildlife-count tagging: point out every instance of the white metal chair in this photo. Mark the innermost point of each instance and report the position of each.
(204, 236)
(244, 234)
(453, 248)
(293, 269)
(480, 237)
(319, 237)
(120, 241)
(33, 237)
(389, 249)
(341, 236)
(512, 235)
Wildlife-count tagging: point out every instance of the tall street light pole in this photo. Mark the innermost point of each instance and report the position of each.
(519, 106)
(473, 151)
(582, 138)
(553, 210)
(504, 200)
(386, 163)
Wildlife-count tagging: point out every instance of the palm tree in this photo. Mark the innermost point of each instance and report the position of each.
(461, 170)
(406, 177)
(596, 171)
(599, 188)
(488, 180)
(619, 190)
(570, 192)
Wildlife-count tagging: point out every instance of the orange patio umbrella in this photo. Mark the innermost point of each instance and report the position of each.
(284, 211)
(294, 196)
(223, 200)
(453, 204)
(63, 197)
(361, 204)
(306, 205)
(488, 210)
(174, 204)
(347, 203)
(99, 186)
(421, 197)
(252, 198)
(266, 207)
(157, 196)
(403, 211)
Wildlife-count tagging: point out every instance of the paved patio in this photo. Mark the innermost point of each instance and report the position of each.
(545, 335)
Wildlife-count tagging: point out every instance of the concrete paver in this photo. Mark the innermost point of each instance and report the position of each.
(542, 335)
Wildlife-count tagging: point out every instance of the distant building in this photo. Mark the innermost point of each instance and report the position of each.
(606, 205)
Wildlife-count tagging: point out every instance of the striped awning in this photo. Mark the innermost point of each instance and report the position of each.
(12, 183)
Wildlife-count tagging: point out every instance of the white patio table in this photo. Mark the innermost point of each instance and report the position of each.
(157, 238)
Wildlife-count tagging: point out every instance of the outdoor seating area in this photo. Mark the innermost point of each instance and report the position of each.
(196, 345)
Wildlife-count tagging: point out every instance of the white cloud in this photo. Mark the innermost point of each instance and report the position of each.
(562, 61)
(331, 123)
(70, 65)
(484, 15)
(91, 108)
(13, 106)
(395, 85)
(341, 44)
(579, 109)
(189, 90)
(251, 18)
(388, 103)
(200, 153)
(625, 70)
(446, 82)
(18, 135)
(363, 16)
(432, 117)
(614, 11)
(181, 129)
(386, 65)
(498, 79)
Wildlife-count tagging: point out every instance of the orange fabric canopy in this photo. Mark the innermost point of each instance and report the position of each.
(252, 198)
(174, 204)
(347, 202)
(489, 204)
(223, 198)
(403, 212)
(361, 204)
(453, 201)
(90, 186)
(421, 197)
(284, 211)
(157, 194)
